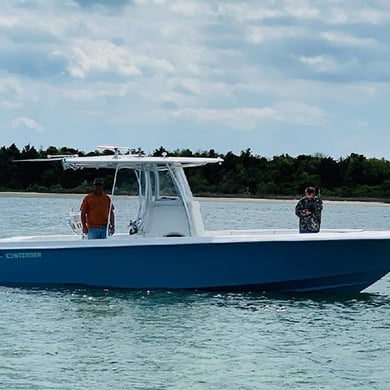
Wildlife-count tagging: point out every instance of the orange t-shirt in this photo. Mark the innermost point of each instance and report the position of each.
(96, 208)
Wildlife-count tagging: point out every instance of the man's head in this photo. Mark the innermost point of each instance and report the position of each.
(98, 181)
(310, 192)
(98, 184)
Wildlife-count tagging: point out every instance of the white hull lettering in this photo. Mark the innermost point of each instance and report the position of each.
(23, 255)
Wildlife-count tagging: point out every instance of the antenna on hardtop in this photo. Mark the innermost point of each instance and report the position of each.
(116, 149)
(49, 157)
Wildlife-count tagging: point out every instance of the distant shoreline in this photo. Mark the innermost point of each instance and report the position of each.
(201, 198)
(38, 194)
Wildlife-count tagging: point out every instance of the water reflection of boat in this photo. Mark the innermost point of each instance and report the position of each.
(168, 248)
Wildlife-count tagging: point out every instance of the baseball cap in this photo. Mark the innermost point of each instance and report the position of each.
(98, 181)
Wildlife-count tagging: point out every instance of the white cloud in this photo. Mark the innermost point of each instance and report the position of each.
(14, 93)
(27, 122)
(189, 8)
(88, 56)
(346, 39)
(328, 64)
(100, 90)
(264, 34)
(350, 14)
(299, 113)
(6, 21)
(239, 118)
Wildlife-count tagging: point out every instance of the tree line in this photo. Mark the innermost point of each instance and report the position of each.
(244, 174)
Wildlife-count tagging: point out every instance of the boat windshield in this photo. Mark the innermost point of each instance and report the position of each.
(167, 187)
(156, 185)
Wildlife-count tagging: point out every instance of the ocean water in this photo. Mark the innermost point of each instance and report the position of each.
(72, 338)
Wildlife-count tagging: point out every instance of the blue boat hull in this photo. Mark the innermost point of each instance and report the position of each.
(347, 266)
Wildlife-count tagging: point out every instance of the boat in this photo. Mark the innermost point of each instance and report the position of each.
(167, 246)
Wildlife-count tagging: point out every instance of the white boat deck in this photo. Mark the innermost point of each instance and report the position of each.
(217, 236)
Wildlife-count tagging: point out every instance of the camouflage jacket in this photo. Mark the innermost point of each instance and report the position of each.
(312, 222)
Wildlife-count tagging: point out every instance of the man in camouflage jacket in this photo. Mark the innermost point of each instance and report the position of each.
(309, 209)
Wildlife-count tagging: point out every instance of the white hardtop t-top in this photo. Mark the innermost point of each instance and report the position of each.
(132, 161)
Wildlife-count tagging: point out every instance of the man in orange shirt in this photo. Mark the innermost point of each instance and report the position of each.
(95, 211)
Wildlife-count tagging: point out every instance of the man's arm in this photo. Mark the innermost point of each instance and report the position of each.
(111, 227)
(83, 216)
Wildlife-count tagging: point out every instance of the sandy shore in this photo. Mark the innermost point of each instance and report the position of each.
(37, 195)
(289, 201)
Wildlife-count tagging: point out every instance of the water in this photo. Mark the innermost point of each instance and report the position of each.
(68, 338)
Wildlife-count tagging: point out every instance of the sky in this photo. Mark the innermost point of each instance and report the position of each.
(273, 76)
